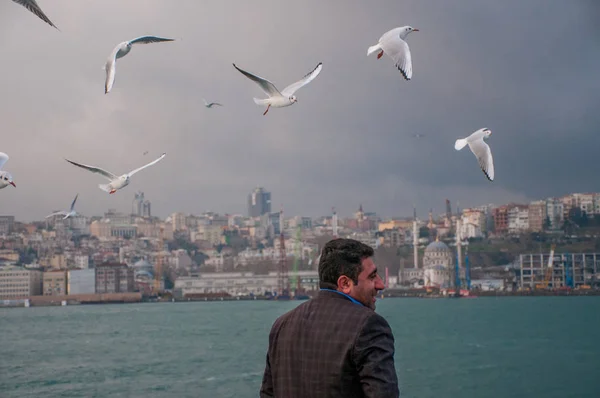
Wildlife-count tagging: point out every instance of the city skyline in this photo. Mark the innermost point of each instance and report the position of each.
(348, 140)
(140, 207)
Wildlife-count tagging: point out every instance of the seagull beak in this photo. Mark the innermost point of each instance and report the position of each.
(13, 184)
(415, 30)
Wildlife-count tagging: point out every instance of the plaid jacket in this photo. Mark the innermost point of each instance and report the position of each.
(330, 347)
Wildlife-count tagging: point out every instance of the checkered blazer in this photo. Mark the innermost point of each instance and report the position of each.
(330, 347)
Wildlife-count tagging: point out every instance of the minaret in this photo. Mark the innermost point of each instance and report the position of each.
(334, 223)
(416, 244)
(430, 224)
(458, 249)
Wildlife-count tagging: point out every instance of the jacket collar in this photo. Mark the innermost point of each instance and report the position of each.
(355, 301)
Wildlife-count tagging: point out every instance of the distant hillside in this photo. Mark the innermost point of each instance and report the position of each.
(488, 253)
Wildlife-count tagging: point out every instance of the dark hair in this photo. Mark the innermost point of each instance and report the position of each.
(341, 257)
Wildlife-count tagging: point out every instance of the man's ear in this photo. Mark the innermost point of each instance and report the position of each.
(345, 284)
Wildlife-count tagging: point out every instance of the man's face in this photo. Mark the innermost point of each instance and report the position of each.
(369, 283)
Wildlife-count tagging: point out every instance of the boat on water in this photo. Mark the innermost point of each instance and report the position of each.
(462, 293)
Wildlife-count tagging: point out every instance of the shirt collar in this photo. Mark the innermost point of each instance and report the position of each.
(355, 301)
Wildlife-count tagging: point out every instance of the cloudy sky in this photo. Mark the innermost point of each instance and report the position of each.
(528, 70)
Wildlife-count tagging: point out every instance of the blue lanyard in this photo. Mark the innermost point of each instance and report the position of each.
(345, 295)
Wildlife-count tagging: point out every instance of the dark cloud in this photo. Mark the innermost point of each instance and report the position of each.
(526, 70)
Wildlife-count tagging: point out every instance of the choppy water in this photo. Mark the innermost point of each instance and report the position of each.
(485, 347)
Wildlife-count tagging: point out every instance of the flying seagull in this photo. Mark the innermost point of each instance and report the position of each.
(66, 214)
(480, 149)
(32, 6)
(276, 98)
(211, 104)
(116, 182)
(394, 45)
(5, 177)
(121, 50)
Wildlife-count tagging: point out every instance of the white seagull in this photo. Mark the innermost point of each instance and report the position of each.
(394, 45)
(480, 149)
(32, 6)
(284, 98)
(121, 50)
(66, 214)
(5, 177)
(210, 104)
(116, 182)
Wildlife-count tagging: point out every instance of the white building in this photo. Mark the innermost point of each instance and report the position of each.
(518, 219)
(470, 230)
(241, 283)
(81, 281)
(475, 217)
(81, 261)
(555, 212)
(18, 282)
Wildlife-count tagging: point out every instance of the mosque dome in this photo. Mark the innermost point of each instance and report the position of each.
(437, 246)
(437, 254)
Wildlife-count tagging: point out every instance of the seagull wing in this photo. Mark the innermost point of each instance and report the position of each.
(292, 88)
(58, 213)
(483, 153)
(73, 204)
(110, 68)
(94, 169)
(148, 165)
(32, 6)
(268, 87)
(149, 39)
(214, 104)
(397, 49)
(3, 159)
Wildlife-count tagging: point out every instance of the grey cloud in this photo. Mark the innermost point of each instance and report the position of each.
(527, 70)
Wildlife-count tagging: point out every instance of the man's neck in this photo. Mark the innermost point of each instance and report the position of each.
(355, 301)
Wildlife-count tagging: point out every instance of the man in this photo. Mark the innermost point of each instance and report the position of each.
(334, 345)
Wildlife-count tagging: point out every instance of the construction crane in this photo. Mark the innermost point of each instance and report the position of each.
(283, 282)
(548, 273)
(295, 280)
(159, 261)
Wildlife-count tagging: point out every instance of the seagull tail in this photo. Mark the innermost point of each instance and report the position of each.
(259, 101)
(460, 144)
(104, 187)
(372, 49)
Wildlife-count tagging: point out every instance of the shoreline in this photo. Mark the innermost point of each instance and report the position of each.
(131, 298)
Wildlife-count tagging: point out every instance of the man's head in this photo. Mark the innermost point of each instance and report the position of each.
(346, 265)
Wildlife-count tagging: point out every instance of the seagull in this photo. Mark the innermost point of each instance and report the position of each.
(394, 45)
(145, 152)
(66, 214)
(5, 177)
(116, 182)
(480, 149)
(121, 50)
(418, 135)
(284, 98)
(211, 104)
(32, 6)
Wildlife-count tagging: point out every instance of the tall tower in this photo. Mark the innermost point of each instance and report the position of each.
(295, 283)
(259, 202)
(334, 223)
(283, 283)
(458, 256)
(136, 206)
(416, 244)
(158, 272)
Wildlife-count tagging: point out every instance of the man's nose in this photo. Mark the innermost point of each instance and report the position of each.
(379, 285)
